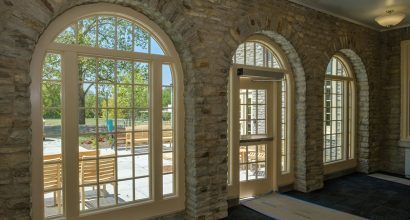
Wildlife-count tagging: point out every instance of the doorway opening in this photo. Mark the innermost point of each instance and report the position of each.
(260, 123)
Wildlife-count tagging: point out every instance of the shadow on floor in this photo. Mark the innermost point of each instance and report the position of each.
(362, 195)
(241, 212)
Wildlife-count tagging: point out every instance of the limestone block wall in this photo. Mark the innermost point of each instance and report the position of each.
(206, 34)
(393, 155)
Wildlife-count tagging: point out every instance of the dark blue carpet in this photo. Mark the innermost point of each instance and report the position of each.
(362, 195)
(241, 212)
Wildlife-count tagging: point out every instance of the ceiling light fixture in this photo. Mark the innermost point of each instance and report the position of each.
(391, 19)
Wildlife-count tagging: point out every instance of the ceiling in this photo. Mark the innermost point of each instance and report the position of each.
(361, 12)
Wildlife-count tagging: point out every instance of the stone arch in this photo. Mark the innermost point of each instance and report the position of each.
(268, 26)
(362, 149)
(169, 17)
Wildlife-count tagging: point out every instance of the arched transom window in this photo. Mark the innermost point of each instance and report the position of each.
(339, 116)
(109, 121)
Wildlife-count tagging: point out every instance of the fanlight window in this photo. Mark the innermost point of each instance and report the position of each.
(110, 32)
(256, 54)
(338, 103)
(106, 110)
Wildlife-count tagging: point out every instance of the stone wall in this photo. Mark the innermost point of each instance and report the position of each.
(206, 33)
(393, 160)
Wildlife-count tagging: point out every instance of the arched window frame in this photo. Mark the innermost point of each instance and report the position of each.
(158, 205)
(281, 177)
(349, 117)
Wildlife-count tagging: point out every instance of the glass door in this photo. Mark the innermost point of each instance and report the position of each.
(256, 136)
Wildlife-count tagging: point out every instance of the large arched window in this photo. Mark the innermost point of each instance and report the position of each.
(109, 96)
(339, 111)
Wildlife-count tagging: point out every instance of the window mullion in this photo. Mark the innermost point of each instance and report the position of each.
(156, 125)
(70, 134)
(346, 124)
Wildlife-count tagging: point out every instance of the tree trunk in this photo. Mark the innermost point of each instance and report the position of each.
(81, 116)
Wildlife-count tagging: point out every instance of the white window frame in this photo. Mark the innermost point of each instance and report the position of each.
(405, 94)
(349, 159)
(159, 205)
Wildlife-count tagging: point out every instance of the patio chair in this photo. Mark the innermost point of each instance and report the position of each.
(88, 174)
(52, 175)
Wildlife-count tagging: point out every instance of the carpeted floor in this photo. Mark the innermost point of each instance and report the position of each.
(241, 212)
(362, 195)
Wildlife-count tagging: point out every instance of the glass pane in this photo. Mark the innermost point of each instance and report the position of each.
(141, 165)
(88, 96)
(88, 197)
(251, 153)
(141, 73)
(125, 35)
(67, 36)
(106, 96)
(141, 141)
(51, 94)
(261, 153)
(252, 96)
(53, 203)
(168, 184)
(88, 169)
(261, 170)
(106, 32)
(124, 165)
(167, 163)
(124, 71)
(87, 31)
(125, 191)
(106, 73)
(141, 119)
(259, 55)
(124, 95)
(87, 145)
(52, 143)
(141, 96)
(141, 42)
(52, 67)
(167, 141)
(87, 67)
(120, 143)
(242, 155)
(106, 145)
(261, 127)
(155, 47)
(166, 75)
(242, 172)
(107, 195)
(250, 53)
(242, 96)
(261, 96)
(106, 172)
(142, 189)
(261, 112)
(252, 171)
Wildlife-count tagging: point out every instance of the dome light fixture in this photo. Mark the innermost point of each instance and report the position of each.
(390, 19)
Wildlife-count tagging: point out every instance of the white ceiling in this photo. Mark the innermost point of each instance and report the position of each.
(361, 12)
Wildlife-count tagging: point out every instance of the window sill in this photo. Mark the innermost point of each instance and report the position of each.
(404, 143)
(339, 166)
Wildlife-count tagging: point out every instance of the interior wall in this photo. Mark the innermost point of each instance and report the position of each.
(393, 154)
(206, 33)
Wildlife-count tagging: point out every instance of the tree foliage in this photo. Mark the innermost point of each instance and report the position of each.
(106, 83)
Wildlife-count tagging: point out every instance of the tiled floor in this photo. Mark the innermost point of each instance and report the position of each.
(362, 195)
(357, 194)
